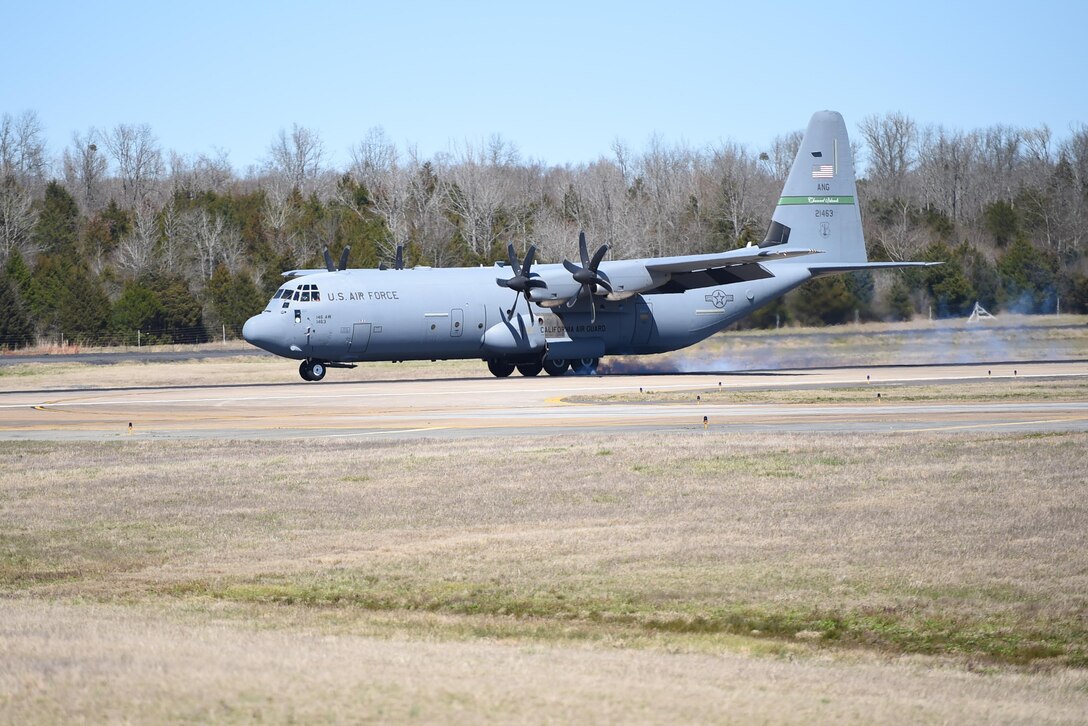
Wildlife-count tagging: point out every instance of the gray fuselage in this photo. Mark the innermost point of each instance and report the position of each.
(423, 313)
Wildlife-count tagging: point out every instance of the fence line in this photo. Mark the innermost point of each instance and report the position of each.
(124, 338)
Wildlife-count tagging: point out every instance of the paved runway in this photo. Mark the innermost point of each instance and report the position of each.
(487, 406)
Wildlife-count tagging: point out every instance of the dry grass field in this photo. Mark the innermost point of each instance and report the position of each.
(678, 577)
(692, 577)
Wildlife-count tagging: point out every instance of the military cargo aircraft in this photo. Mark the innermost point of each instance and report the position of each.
(574, 313)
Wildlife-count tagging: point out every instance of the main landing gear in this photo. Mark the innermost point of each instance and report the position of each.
(582, 367)
(312, 370)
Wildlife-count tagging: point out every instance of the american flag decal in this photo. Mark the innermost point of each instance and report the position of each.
(823, 171)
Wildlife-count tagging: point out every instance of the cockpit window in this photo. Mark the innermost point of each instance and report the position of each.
(283, 293)
(304, 293)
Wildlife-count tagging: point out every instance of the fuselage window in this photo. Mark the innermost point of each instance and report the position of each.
(305, 296)
(296, 294)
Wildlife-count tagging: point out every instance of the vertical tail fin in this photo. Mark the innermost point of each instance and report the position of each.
(819, 203)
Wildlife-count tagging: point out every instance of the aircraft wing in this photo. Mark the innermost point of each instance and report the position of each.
(300, 273)
(691, 272)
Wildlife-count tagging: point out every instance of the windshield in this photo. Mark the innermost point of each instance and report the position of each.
(307, 292)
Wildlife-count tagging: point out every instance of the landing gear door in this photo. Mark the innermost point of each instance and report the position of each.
(360, 338)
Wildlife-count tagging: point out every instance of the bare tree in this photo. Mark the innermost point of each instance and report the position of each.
(85, 170)
(135, 252)
(431, 228)
(171, 257)
(139, 161)
(779, 159)
(298, 158)
(277, 216)
(22, 149)
(892, 142)
(742, 188)
(201, 173)
(481, 194)
(212, 241)
(945, 160)
(375, 165)
(17, 218)
(668, 188)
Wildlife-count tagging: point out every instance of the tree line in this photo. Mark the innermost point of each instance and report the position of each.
(114, 237)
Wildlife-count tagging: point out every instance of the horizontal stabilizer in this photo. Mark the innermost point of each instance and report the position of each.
(742, 256)
(828, 268)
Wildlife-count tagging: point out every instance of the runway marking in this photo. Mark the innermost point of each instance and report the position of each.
(999, 423)
(383, 433)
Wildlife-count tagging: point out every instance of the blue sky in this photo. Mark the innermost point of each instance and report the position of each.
(561, 80)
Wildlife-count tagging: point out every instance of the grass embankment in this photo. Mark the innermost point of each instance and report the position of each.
(973, 547)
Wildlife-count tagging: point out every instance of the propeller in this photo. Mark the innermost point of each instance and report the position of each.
(586, 274)
(343, 260)
(523, 281)
(398, 261)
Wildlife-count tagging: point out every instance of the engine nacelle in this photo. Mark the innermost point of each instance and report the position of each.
(517, 336)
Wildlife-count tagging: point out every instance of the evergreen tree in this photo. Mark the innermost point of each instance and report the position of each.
(84, 308)
(981, 273)
(824, 301)
(946, 284)
(1001, 221)
(57, 229)
(1028, 278)
(19, 274)
(138, 309)
(15, 327)
(182, 314)
(900, 306)
(234, 298)
(863, 289)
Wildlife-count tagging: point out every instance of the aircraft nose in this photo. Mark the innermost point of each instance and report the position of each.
(258, 330)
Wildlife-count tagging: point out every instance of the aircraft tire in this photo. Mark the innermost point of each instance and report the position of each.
(556, 367)
(585, 366)
(304, 370)
(317, 370)
(530, 369)
(500, 368)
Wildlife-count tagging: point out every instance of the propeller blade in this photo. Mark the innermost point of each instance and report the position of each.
(582, 251)
(328, 261)
(512, 259)
(344, 258)
(528, 259)
(571, 267)
(597, 257)
(604, 284)
(398, 263)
